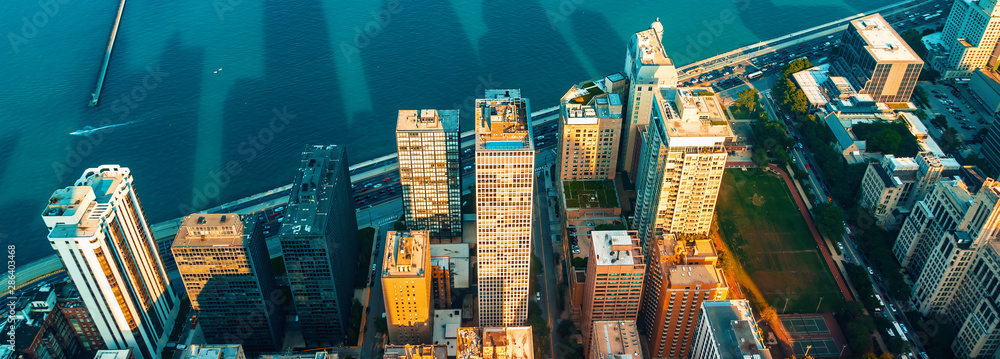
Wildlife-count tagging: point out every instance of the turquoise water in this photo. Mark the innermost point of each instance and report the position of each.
(211, 101)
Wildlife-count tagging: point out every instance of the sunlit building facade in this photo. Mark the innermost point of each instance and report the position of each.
(427, 143)
(406, 287)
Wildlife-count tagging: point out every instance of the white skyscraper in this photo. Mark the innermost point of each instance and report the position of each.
(505, 166)
(100, 232)
(970, 37)
(647, 67)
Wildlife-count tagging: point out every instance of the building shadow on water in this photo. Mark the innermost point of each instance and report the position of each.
(758, 16)
(600, 42)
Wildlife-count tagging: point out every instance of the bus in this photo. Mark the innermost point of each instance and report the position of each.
(754, 75)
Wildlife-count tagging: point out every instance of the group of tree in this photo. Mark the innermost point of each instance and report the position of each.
(829, 220)
(888, 138)
(843, 179)
(859, 277)
(771, 142)
(857, 327)
(877, 244)
(539, 329)
(747, 106)
(789, 96)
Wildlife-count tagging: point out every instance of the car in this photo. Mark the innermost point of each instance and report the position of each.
(377, 185)
(374, 265)
(576, 251)
(538, 296)
(841, 245)
(893, 308)
(466, 168)
(870, 271)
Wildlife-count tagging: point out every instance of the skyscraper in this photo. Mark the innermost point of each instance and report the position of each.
(226, 269)
(590, 126)
(100, 232)
(681, 164)
(647, 68)
(614, 279)
(727, 329)
(427, 144)
(974, 309)
(406, 287)
(319, 239)
(680, 277)
(890, 188)
(970, 38)
(877, 61)
(505, 173)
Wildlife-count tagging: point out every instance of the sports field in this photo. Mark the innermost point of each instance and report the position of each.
(760, 223)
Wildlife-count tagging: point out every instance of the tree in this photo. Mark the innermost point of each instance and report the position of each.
(939, 121)
(796, 65)
(579, 262)
(381, 326)
(885, 140)
(566, 328)
(399, 226)
(759, 157)
(829, 220)
(858, 338)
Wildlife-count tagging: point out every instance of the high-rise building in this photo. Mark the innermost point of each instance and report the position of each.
(940, 237)
(877, 61)
(441, 282)
(727, 329)
(226, 269)
(43, 335)
(428, 351)
(614, 339)
(614, 279)
(98, 228)
(970, 38)
(406, 287)
(974, 309)
(75, 312)
(213, 351)
(647, 68)
(505, 173)
(991, 150)
(319, 240)
(427, 144)
(890, 188)
(679, 278)
(590, 127)
(495, 342)
(681, 164)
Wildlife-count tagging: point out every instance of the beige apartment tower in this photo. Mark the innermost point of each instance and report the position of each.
(427, 144)
(647, 68)
(505, 172)
(681, 276)
(590, 126)
(226, 269)
(970, 38)
(614, 279)
(406, 287)
(877, 61)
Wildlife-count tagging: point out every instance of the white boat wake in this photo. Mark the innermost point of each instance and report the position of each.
(88, 129)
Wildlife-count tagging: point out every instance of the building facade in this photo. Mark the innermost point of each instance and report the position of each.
(618, 339)
(100, 232)
(647, 68)
(71, 306)
(505, 173)
(877, 61)
(991, 150)
(427, 143)
(727, 329)
(590, 127)
(614, 279)
(890, 188)
(226, 269)
(970, 37)
(213, 351)
(681, 164)
(680, 277)
(319, 240)
(974, 310)
(939, 238)
(406, 287)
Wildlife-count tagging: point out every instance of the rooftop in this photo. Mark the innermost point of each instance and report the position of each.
(650, 46)
(495, 342)
(810, 81)
(309, 202)
(446, 324)
(691, 116)
(502, 121)
(693, 274)
(427, 120)
(680, 251)
(617, 339)
(616, 247)
(210, 230)
(427, 351)
(884, 44)
(590, 194)
(114, 354)
(734, 329)
(212, 351)
(78, 210)
(406, 254)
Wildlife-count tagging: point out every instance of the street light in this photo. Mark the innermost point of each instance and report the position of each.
(785, 307)
(842, 350)
(820, 303)
(807, 350)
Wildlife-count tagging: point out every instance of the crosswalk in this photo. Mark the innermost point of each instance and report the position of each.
(387, 220)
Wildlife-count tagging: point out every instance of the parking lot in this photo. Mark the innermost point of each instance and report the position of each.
(963, 114)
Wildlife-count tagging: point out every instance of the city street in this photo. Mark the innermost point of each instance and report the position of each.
(371, 341)
(543, 247)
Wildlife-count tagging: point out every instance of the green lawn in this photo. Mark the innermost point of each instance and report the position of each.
(759, 221)
(590, 194)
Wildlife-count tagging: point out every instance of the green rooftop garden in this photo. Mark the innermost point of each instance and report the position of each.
(590, 194)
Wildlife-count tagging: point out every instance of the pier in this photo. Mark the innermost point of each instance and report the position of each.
(107, 56)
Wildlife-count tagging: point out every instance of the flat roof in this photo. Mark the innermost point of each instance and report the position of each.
(212, 351)
(423, 351)
(884, 44)
(427, 120)
(495, 342)
(693, 274)
(446, 324)
(77, 211)
(810, 81)
(210, 230)
(309, 203)
(590, 194)
(650, 47)
(113, 354)
(616, 248)
(617, 339)
(454, 256)
(734, 329)
(406, 254)
(502, 121)
(692, 112)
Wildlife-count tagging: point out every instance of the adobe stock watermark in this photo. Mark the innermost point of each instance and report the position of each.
(223, 7)
(365, 34)
(122, 106)
(209, 192)
(563, 11)
(31, 26)
(712, 29)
